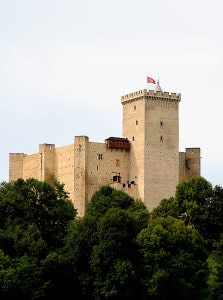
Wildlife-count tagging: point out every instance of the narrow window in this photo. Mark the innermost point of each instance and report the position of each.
(161, 139)
(133, 138)
(161, 124)
(134, 107)
(99, 156)
(116, 178)
(136, 122)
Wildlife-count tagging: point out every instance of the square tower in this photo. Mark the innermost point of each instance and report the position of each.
(151, 124)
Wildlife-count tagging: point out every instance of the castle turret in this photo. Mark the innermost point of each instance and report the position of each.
(47, 162)
(151, 123)
(189, 164)
(16, 161)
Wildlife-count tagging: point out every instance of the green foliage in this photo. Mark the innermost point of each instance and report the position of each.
(34, 202)
(34, 218)
(80, 240)
(197, 188)
(193, 198)
(107, 197)
(116, 251)
(101, 246)
(214, 222)
(172, 260)
(215, 262)
(198, 205)
(167, 207)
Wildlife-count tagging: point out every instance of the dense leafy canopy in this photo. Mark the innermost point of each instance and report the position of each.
(102, 245)
(216, 271)
(200, 206)
(118, 250)
(34, 218)
(173, 257)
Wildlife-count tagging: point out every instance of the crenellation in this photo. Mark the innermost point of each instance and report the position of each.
(152, 95)
(134, 95)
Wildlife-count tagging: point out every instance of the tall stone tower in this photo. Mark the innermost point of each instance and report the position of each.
(151, 124)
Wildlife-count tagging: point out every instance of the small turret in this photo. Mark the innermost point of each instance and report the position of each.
(158, 87)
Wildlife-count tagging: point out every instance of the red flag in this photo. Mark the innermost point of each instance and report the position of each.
(150, 80)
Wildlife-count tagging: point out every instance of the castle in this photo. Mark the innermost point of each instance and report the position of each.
(145, 162)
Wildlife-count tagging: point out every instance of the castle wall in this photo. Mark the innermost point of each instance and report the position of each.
(83, 167)
(24, 166)
(64, 167)
(105, 167)
(32, 166)
(80, 171)
(47, 162)
(16, 165)
(145, 163)
(189, 164)
(96, 165)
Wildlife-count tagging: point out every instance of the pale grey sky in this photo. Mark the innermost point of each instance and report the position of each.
(64, 65)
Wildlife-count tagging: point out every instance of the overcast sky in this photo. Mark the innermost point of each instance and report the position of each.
(64, 65)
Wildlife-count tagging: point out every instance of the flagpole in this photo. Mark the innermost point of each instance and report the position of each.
(149, 80)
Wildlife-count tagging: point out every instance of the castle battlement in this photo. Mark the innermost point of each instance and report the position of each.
(151, 95)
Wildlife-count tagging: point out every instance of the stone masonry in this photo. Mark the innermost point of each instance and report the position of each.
(145, 162)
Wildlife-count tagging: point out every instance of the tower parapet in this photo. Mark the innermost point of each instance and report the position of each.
(151, 95)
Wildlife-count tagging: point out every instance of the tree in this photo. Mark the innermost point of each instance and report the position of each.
(107, 197)
(193, 198)
(191, 201)
(34, 219)
(35, 202)
(111, 259)
(199, 205)
(173, 260)
(80, 240)
(167, 207)
(214, 222)
(101, 246)
(215, 261)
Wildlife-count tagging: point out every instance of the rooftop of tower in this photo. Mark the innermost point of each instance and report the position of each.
(153, 95)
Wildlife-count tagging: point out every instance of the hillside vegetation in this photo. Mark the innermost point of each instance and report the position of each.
(118, 250)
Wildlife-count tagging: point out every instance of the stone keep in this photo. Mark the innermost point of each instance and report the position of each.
(145, 162)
